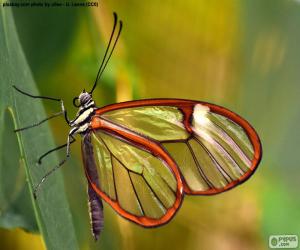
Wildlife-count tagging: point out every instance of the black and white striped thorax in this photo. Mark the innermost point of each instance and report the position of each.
(86, 110)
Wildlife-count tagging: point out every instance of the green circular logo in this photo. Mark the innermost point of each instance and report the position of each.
(274, 241)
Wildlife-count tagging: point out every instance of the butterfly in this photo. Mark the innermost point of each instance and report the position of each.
(142, 157)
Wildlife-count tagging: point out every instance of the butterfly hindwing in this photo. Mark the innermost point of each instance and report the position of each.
(138, 179)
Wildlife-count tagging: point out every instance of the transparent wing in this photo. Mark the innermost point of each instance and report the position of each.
(213, 147)
(140, 186)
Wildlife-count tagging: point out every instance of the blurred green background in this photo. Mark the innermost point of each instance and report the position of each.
(243, 55)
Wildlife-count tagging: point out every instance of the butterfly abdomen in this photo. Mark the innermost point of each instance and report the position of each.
(95, 202)
(96, 212)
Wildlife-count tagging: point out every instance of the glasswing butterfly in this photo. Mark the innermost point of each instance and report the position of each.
(142, 157)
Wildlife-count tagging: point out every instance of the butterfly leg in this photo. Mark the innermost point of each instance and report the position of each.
(54, 149)
(63, 110)
(39, 123)
(37, 187)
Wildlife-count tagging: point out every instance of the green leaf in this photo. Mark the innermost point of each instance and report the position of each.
(19, 152)
(16, 207)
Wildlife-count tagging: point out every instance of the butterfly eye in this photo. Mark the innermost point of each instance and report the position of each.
(76, 102)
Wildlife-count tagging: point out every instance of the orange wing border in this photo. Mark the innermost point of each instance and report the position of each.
(187, 108)
(156, 150)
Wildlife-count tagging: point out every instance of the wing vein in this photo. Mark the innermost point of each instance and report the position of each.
(138, 199)
(155, 194)
(112, 165)
(112, 155)
(199, 167)
(225, 151)
(234, 144)
(219, 167)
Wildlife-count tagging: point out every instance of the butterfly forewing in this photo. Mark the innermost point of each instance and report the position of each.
(157, 122)
(214, 148)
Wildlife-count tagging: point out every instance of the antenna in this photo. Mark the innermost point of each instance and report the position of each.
(104, 63)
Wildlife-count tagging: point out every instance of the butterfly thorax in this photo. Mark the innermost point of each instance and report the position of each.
(86, 110)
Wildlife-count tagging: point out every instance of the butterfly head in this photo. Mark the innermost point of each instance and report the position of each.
(83, 100)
